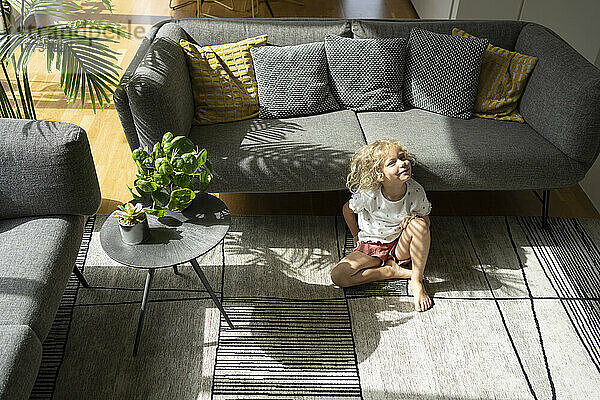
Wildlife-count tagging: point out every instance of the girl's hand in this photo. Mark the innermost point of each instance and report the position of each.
(406, 221)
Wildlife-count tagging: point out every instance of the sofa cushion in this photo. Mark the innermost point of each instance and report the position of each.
(442, 72)
(281, 155)
(475, 154)
(46, 168)
(223, 80)
(20, 357)
(293, 80)
(366, 74)
(39, 254)
(501, 82)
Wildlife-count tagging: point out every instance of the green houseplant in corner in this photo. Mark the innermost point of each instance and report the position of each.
(171, 174)
(79, 49)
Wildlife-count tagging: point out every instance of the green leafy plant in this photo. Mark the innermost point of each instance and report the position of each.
(171, 174)
(130, 214)
(79, 49)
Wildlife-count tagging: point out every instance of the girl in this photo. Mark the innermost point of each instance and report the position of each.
(393, 223)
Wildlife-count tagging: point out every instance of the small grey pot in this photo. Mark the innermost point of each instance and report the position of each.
(134, 234)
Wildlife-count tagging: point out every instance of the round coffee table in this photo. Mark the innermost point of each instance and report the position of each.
(175, 238)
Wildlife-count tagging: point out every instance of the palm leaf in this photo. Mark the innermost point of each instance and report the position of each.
(30, 111)
(57, 8)
(107, 5)
(77, 51)
(7, 17)
(6, 109)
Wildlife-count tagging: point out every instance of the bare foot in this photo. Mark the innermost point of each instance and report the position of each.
(421, 299)
(399, 272)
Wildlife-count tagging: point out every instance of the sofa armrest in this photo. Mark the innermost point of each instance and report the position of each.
(562, 98)
(120, 96)
(160, 90)
(47, 169)
(122, 101)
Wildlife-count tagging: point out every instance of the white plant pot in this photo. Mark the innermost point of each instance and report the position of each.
(134, 234)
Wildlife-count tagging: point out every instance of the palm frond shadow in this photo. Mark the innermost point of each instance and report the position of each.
(442, 281)
(275, 248)
(42, 129)
(51, 96)
(161, 55)
(275, 150)
(299, 264)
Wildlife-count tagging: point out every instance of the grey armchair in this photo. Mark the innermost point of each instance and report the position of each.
(48, 184)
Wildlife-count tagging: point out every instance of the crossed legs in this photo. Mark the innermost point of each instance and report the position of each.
(358, 268)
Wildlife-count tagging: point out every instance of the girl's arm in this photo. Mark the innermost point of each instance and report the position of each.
(427, 220)
(351, 220)
(409, 218)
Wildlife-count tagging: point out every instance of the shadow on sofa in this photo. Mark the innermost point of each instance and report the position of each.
(291, 155)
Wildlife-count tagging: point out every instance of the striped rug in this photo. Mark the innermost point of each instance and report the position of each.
(516, 316)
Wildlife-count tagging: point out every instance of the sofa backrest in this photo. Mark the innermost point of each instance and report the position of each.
(286, 32)
(499, 33)
(281, 31)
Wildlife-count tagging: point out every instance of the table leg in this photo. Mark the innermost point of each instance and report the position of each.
(175, 269)
(138, 334)
(80, 276)
(210, 291)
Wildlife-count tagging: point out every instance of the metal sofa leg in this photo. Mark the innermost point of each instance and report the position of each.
(269, 7)
(545, 207)
(80, 276)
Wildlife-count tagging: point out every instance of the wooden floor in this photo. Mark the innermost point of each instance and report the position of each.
(112, 155)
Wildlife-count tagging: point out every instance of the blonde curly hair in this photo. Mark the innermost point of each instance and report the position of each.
(366, 165)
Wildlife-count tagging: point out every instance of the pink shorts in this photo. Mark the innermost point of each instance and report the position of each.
(383, 251)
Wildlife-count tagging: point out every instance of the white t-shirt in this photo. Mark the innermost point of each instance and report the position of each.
(379, 219)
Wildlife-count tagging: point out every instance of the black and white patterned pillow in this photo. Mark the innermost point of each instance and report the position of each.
(442, 72)
(292, 80)
(366, 74)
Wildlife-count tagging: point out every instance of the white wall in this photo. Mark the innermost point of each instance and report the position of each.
(576, 21)
(480, 9)
(468, 9)
(433, 9)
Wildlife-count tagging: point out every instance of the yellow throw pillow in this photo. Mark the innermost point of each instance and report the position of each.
(223, 80)
(501, 82)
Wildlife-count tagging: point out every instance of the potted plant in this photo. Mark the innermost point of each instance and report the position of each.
(133, 223)
(79, 49)
(171, 174)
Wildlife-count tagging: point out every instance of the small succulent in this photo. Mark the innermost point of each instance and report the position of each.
(130, 214)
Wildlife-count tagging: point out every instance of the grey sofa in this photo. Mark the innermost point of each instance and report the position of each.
(48, 184)
(555, 148)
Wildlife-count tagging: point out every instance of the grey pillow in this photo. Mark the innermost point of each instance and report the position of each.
(442, 72)
(366, 74)
(292, 80)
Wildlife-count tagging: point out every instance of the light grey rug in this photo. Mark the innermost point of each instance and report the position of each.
(516, 316)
